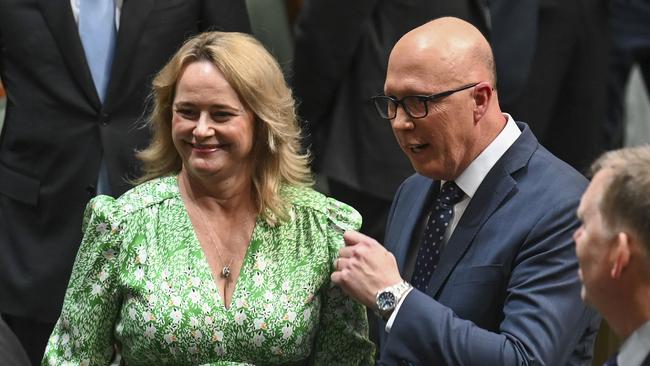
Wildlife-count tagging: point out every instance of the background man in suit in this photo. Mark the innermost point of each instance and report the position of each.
(629, 36)
(613, 247)
(495, 282)
(61, 125)
(548, 53)
(341, 54)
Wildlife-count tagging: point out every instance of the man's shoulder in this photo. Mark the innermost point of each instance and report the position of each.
(555, 175)
(415, 181)
(536, 160)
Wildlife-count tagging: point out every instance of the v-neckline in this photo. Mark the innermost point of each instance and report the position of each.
(206, 264)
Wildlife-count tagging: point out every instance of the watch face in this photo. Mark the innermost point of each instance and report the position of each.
(386, 301)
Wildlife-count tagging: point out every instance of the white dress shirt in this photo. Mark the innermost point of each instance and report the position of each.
(636, 347)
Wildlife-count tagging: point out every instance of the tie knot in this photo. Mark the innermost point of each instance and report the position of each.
(450, 194)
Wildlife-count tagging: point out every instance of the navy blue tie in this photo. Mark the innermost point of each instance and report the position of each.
(434, 234)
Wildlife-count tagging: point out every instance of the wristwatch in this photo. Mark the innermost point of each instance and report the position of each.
(388, 298)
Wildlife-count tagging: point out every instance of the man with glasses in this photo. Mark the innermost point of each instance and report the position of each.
(478, 266)
(341, 53)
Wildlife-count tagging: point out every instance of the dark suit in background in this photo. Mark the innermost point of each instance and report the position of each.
(341, 55)
(506, 288)
(629, 34)
(56, 132)
(551, 58)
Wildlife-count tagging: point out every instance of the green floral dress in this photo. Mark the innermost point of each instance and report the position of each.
(141, 284)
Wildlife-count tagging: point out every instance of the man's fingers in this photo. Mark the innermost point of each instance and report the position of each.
(340, 263)
(345, 252)
(336, 263)
(352, 237)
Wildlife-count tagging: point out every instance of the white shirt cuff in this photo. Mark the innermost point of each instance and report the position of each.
(391, 319)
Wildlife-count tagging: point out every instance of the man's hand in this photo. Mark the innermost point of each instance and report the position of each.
(364, 267)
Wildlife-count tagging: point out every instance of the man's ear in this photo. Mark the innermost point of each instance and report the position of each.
(483, 94)
(621, 254)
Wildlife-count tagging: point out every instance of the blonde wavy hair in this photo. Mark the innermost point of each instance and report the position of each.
(258, 80)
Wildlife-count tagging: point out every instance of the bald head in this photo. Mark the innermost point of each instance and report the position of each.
(451, 48)
(449, 58)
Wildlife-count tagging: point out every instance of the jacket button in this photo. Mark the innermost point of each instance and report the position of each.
(103, 119)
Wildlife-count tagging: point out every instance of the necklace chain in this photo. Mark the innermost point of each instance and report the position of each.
(225, 270)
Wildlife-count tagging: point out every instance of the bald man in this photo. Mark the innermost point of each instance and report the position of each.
(478, 266)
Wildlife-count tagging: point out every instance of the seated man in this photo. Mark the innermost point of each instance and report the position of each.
(482, 232)
(613, 247)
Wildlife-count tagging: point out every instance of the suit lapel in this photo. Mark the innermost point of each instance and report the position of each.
(416, 204)
(132, 20)
(497, 187)
(486, 200)
(59, 18)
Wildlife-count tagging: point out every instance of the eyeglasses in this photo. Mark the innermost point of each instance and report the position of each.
(416, 106)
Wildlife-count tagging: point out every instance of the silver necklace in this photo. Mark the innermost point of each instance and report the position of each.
(225, 270)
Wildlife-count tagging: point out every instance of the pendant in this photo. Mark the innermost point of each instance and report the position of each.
(225, 272)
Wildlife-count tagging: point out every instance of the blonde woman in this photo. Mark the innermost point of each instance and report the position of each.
(223, 254)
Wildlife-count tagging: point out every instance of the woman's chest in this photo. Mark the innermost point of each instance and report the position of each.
(172, 309)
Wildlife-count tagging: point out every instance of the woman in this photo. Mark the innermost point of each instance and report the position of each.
(222, 255)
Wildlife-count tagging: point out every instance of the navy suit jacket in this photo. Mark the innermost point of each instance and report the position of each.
(506, 291)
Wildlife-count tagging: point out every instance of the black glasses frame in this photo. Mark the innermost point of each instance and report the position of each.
(381, 100)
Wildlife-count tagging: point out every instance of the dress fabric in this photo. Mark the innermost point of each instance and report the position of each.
(141, 282)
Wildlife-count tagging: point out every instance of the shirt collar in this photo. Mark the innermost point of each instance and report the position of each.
(635, 348)
(470, 179)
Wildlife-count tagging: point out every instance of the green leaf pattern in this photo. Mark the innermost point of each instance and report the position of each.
(141, 285)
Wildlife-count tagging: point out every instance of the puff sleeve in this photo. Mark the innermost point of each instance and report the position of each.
(343, 332)
(83, 335)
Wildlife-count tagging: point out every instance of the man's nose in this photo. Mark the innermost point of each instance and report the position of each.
(402, 120)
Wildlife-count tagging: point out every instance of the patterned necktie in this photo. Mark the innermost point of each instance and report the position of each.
(97, 32)
(434, 234)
